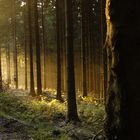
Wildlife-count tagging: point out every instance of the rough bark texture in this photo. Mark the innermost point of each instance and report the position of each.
(123, 45)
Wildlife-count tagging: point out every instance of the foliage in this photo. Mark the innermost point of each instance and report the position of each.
(45, 119)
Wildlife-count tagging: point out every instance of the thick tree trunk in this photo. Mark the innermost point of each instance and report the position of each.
(123, 43)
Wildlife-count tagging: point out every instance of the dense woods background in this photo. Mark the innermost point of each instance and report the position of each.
(60, 65)
(33, 45)
(52, 51)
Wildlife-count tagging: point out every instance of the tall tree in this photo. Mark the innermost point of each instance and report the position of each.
(8, 64)
(32, 90)
(123, 101)
(83, 45)
(37, 44)
(0, 72)
(71, 95)
(59, 41)
(44, 41)
(14, 44)
(25, 45)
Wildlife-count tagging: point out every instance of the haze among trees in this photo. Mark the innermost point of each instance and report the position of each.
(69, 69)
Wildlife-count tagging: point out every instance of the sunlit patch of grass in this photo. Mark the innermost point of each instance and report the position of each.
(43, 115)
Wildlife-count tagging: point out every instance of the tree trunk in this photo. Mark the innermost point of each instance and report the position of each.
(25, 46)
(15, 46)
(32, 91)
(59, 42)
(123, 101)
(44, 43)
(71, 95)
(8, 65)
(1, 88)
(83, 46)
(37, 41)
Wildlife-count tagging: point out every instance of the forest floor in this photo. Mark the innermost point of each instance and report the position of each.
(23, 117)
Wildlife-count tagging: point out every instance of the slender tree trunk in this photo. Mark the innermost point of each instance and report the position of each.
(8, 65)
(25, 46)
(72, 107)
(63, 46)
(59, 80)
(37, 41)
(83, 46)
(15, 46)
(1, 88)
(44, 44)
(32, 91)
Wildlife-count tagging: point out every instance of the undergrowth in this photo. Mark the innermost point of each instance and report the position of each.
(45, 119)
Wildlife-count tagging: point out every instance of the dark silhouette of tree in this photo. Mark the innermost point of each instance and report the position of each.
(14, 44)
(8, 64)
(59, 81)
(32, 91)
(25, 44)
(71, 95)
(44, 41)
(122, 41)
(83, 45)
(0, 72)
(37, 44)
(60, 48)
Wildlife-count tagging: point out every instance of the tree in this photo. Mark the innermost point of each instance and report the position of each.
(37, 41)
(25, 45)
(83, 46)
(43, 41)
(14, 44)
(59, 41)
(8, 64)
(71, 95)
(32, 91)
(123, 101)
(0, 72)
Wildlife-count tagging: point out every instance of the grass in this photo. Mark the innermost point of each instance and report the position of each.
(45, 119)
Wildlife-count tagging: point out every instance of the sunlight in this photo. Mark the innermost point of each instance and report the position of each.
(23, 3)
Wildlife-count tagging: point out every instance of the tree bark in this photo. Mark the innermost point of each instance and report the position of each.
(123, 100)
(71, 95)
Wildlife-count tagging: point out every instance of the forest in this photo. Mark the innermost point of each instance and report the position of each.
(69, 70)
